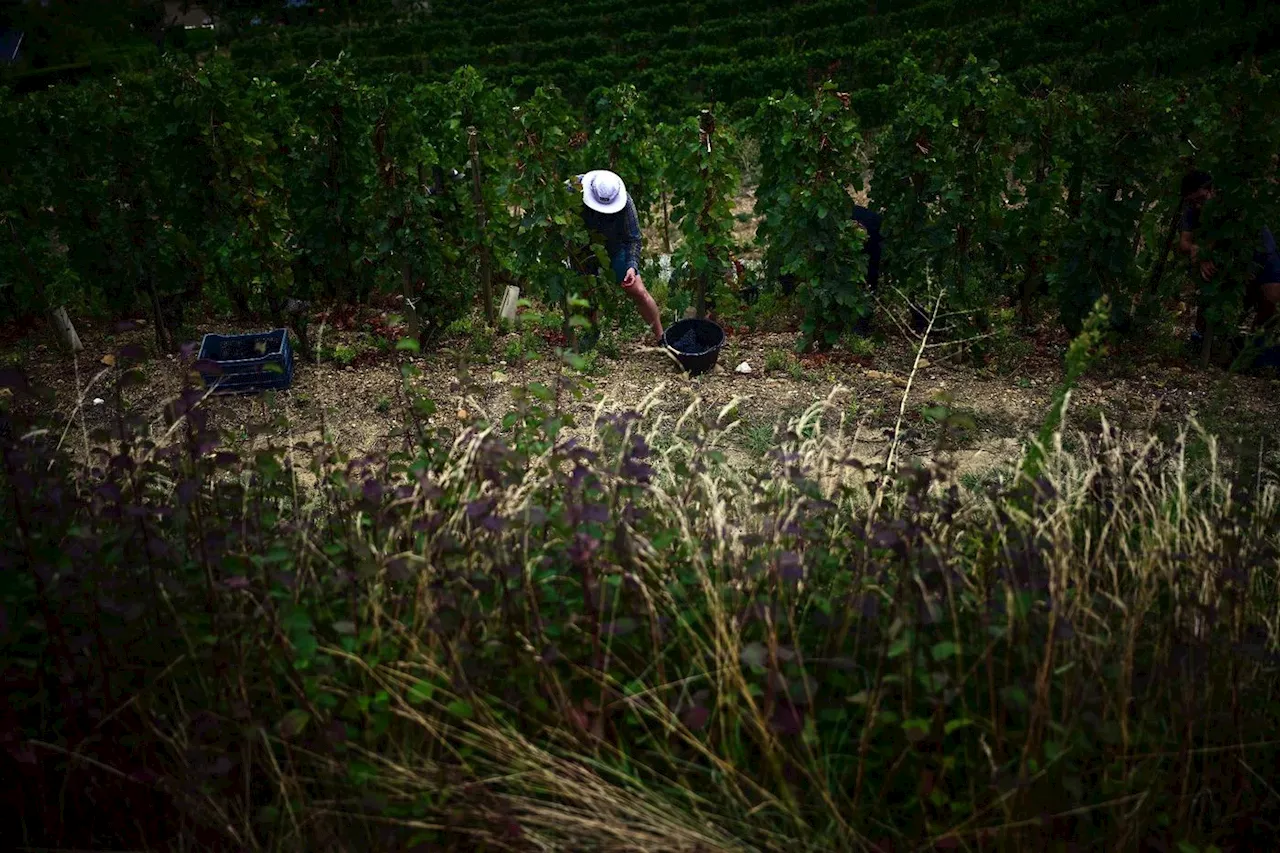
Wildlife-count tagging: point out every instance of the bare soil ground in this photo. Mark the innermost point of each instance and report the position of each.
(361, 406)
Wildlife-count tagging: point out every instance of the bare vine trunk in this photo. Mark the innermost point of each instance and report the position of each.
(666, 223)
(162, 334)
(477, 195)
(1171, 232)
(708, 125)
(406, 282)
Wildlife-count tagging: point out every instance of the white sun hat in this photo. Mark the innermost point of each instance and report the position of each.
(603, 191)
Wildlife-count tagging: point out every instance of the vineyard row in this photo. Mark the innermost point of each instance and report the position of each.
(747, 58)
(204, 185)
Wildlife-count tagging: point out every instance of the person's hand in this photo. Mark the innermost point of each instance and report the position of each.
(630, 278)
(1207, 270)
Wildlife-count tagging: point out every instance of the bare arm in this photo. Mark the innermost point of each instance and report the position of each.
(1187, 245)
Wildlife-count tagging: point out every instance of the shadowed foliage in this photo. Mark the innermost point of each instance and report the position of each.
(546, 635)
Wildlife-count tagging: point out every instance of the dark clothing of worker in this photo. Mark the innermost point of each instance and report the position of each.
(620, 233)
(871, 246)
(874, 242)
(1265, 257)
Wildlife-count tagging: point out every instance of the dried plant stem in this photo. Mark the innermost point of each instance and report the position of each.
(892, 452)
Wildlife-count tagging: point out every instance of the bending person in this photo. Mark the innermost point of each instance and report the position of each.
(1263, 291)
(607, 211)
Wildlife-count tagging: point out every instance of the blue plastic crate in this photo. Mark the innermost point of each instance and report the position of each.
(242, 364)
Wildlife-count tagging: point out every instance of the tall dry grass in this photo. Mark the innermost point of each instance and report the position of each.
(610, 638)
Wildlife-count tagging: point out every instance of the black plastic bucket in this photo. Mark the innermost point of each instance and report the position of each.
(695, 344)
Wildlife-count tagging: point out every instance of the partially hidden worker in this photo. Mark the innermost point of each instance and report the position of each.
(609, 213)
(1262, 293)
(869, 222)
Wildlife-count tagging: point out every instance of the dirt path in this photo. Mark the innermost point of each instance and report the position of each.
(362, 406)
(994, 408)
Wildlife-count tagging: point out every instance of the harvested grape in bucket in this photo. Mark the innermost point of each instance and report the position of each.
(695, 344)
(688, 342)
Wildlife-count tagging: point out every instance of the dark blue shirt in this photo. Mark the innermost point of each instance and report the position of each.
(1266, 240)
(621, 233)
(870, 220)
(1190, 218)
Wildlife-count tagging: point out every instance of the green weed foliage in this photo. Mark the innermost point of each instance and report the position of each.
(543, 634)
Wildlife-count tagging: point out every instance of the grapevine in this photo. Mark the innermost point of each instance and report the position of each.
(704, 178)
(806, 151)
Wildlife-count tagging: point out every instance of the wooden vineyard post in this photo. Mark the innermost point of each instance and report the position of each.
(510, 304)
(66, 331)
(482, 223)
